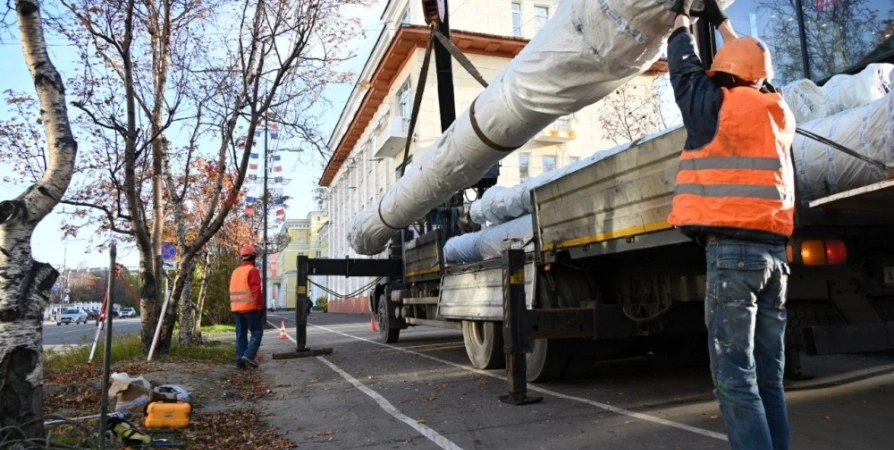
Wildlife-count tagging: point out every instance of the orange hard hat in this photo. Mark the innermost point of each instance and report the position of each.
(747, 58)
(247, 250)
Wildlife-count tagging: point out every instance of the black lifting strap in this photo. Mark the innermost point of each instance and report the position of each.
(414, 115)
(459, 56)
(463, 61)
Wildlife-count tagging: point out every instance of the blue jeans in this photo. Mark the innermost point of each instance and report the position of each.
(244, 346)
(745, 315)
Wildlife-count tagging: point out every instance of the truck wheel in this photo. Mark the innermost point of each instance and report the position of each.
(546, 360)
(484, 344)
(384, 315)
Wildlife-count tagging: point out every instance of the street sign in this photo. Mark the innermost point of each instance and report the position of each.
(56, 287)
(67, 290)
(168, 251)
(168, 265)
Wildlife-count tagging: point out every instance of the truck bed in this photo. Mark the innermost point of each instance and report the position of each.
(625, 195)
(622, 203)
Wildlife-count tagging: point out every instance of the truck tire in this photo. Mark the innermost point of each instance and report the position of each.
(484, 344)
(546, 361)
(385, 317)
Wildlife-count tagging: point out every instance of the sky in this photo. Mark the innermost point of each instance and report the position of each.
(303, 169)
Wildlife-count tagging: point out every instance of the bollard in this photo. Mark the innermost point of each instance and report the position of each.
(514, 310)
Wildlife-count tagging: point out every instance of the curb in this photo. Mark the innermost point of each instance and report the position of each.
(839, 380)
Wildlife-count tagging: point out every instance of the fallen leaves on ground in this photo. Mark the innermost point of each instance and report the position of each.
(322, 433)
(81, 373)
(79, 397)
(235, 429)
(248, 384)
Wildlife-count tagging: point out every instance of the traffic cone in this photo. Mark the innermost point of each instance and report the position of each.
(372, 324)
(282, 331)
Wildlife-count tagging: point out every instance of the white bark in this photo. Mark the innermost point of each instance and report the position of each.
(25, 283)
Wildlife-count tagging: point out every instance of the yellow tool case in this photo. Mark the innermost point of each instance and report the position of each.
(167, 415)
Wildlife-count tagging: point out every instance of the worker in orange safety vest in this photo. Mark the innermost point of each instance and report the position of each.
(735, 194)
(247, 304)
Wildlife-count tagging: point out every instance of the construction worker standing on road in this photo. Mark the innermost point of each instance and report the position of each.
(247, 304)
(735, 193)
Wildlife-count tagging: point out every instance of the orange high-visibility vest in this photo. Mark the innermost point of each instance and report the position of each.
(744, 178)
(241, 298)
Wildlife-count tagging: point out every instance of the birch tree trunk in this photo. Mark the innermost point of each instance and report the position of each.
(203, 291)
(24, 283)
(187, 310)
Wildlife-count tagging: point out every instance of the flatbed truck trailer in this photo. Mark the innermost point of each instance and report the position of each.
(609, 276)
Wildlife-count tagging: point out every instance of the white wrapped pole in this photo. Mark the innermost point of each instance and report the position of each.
(868, 130)
(587, 50)
(490, 242)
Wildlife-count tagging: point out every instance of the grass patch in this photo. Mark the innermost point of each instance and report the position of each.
(128, 350)
(221, 328)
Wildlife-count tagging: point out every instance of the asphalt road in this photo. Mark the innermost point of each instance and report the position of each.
(57, 335)
(421, 393)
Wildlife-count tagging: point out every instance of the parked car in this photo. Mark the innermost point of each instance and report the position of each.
(72, 315)
(128, 312)
(92, 314)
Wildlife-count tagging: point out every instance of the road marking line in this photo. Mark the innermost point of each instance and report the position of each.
(432, 435)
(607, 407)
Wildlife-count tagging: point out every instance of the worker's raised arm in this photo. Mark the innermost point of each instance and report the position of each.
(697, 96)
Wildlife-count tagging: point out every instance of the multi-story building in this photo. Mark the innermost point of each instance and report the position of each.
(304, 239)
(369, 139)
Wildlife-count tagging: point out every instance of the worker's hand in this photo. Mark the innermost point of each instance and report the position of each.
(713, 14)
(681, 7)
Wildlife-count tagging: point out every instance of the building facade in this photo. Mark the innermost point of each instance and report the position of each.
(304, 239)
(369, 139)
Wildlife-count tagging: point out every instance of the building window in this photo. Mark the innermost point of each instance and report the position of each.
(404, 101)
(406, 19)
(524, 163)
(541, 16)
(549, 163)
(319, 253)
(516, 20)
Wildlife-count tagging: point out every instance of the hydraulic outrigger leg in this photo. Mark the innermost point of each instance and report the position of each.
(514, 311)
(301, 303)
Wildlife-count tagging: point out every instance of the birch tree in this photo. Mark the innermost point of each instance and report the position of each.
(210, 70)
(24, 283)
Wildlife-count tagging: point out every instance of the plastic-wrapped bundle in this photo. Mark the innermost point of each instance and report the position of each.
(502, 204)
(845, 92)
(806, 100)
(823, 171)
(587, 50)
(490, 242)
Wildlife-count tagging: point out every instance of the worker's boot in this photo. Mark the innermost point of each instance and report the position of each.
(249, 362)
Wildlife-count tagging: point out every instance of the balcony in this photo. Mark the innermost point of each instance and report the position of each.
(562, 130)
(393, 136)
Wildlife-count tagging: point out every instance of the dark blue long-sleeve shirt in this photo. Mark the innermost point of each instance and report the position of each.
(697, 96)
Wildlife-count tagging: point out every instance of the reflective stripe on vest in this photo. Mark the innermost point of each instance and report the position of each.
(744, 177)
(241, 297)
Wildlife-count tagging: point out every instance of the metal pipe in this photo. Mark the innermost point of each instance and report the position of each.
(802, 37)
(161, 318)
(263, 311)
(107, 360)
